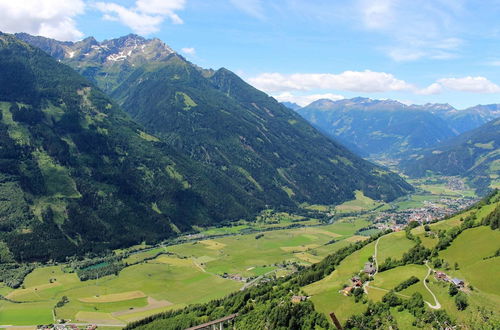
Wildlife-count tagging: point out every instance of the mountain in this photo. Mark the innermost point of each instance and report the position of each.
(216, 118)
(474, 155)
(377, 127)
(77, 175)
(222, 121)
(103, 63)
(387, 128)
(291, 105)
(461, 121)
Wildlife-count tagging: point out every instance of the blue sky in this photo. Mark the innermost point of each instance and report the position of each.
(415, 51)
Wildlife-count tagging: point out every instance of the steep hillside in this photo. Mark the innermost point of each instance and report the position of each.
(377, 128)
(216, 118)
(77, 175)
(474, 154)
(220, 120)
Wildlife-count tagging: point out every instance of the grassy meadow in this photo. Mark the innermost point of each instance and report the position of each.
(184, 274)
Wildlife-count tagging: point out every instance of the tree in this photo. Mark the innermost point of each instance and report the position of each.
(456, 266)
(452, 291)
(461, 301)
(427, 228)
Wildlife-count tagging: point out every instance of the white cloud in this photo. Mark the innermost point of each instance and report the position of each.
(48, 18)
(146, 16)
(470, 84)
(189, 51)
(353, 81)
(434, 88)
(251, 7)
(377, 14)
(304, 100)
(415, 29)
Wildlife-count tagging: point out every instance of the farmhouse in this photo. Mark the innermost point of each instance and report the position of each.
(356, 282)
(298, 299)
(458, 282)
(347, 290)
(441, 276)
(369, 268)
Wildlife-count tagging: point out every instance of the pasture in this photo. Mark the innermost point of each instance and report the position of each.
(189, 273)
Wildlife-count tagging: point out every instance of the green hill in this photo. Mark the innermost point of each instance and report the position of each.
(474, 155)
(77, 175)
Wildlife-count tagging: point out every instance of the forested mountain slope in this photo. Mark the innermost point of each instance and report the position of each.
(390, 129)
(77, 175)
(474, 154)
(216, 118)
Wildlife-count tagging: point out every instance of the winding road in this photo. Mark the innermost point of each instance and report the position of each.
(436, 305)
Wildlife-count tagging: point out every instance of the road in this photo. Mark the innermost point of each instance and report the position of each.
(365, 285)
(436, 305)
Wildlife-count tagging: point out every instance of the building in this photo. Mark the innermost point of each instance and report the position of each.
(441, 276)
(356, 282)
(369, 268)
(458, 282)
(298, 299)
(347, 290)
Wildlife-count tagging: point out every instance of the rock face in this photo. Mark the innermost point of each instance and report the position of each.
(105, 63)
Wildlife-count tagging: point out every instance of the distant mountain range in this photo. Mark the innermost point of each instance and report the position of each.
(474, 154)
(78, 175)
(388, 128)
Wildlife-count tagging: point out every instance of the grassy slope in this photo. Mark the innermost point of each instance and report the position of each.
(468, 249)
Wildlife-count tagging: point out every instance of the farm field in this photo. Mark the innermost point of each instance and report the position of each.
(361, 203)
(184, 274)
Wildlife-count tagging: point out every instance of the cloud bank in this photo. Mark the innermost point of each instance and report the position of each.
(48, 18)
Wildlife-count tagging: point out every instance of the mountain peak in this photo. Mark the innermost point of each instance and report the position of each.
(132, 48)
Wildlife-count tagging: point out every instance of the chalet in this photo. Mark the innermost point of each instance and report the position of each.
(298, 299)
(441, 276)
(356, 282)
(458, 282)
(369, 268)
(347, 290)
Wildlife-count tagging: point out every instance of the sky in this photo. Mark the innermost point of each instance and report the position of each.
(414, 51)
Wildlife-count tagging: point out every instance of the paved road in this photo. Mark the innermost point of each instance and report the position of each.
(436, 305)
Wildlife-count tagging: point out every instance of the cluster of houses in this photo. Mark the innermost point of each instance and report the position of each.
(66, 326)
(235, 277)
(356, 281)
(299, 299)
(396, 220)
(441, 276)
